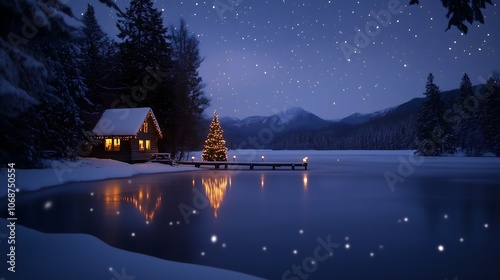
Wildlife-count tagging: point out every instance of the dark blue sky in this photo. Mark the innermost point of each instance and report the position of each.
(264, 56)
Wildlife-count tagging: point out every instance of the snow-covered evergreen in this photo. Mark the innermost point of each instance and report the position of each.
(144, 49)
(25, 74)
(490, 117)
(434, 134)
(98, 66)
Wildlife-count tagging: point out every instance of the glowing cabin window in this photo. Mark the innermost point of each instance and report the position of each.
(108, 144)
(111, 144)
(144, 127)
(116, 144)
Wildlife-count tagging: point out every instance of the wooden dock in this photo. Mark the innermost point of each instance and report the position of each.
(225, 165)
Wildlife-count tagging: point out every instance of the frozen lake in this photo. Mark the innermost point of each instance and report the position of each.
(352, 215)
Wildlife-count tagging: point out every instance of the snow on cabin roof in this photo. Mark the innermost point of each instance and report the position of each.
(123, 122)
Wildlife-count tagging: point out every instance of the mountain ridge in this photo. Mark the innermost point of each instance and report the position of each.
(296, 128)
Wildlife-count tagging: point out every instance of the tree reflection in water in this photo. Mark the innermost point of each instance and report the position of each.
(215, 189)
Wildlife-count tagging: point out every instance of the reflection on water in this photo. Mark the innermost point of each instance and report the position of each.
(215, 189)
(146, 199)
(402, 230)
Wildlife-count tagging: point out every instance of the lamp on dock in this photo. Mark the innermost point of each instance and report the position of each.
(262, 158)
(304, 160)
(192, 159)
(234, 158)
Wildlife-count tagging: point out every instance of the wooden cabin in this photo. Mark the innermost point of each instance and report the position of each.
(127, 134)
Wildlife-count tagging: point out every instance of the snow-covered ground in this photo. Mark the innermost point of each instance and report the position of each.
(85, 169)
(81, 256)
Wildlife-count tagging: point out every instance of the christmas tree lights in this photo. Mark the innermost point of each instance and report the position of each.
(215, 145)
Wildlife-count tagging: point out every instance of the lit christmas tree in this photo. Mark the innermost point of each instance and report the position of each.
(215, 145)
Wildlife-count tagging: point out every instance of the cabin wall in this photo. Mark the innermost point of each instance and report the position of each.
(151, 135)
(122, 155)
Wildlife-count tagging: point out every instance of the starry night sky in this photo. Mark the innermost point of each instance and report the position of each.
(265, 56)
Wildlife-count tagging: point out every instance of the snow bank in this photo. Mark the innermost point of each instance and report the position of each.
(81, 256)
(85, 169)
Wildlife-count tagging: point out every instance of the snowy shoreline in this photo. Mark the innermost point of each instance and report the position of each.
(83, 256)
(83, 170)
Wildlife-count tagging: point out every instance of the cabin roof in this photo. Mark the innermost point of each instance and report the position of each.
(124, 122)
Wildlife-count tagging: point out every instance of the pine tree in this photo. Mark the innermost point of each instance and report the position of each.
(215, 145)
(188, 96)
(25, 75)
(146, 67)
(62, 124)
(144, 52)
(434, 134)
(466, 131)
(98, 55)
(491, 118)
(460, 11)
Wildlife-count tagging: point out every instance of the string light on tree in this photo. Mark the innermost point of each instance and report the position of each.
(215, 145)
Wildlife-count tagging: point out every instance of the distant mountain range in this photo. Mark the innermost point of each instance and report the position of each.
(296, 128)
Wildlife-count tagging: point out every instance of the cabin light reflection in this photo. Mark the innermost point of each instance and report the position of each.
(215, 189)
(111, 198)
(146, 200)
(304, 179)
(262, 180)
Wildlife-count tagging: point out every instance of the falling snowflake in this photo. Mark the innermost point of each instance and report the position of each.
(47, 205)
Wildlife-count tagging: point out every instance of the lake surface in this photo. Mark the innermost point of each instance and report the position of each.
(341, 219)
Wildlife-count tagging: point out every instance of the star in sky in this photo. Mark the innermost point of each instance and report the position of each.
(264, 56)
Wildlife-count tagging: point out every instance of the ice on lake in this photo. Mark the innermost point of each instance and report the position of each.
(433, 218)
